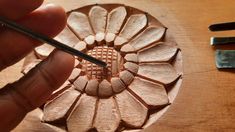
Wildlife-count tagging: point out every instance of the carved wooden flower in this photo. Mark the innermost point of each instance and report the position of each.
(143, 68)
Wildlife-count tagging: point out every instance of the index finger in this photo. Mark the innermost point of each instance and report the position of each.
(14, 9)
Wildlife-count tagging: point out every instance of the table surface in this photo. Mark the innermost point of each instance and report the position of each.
(206, 100)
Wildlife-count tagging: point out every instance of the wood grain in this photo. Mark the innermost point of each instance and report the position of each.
(207, 96)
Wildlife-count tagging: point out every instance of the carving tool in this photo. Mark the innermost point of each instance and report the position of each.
(222, 40)
(222, 26)
(45, 39)
(225, 58)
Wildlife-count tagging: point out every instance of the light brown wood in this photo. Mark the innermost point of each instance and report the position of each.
(107, 117)
(132, 57)
(105, 89)
(115, 19)
(75, 73)
(127, 49)
(57, 109)
(161, 73)
(154, 95)
(80, 24)
(194, 108)
(157, 53)
(117, 84)
(92, 87)
(126, 77)
(67, 37)
(133, 113)
(29, 66)
(81, 46)
(133, 25)
(98, 16)
(80, 83)
(147, 37)
(81, 118)
(132, 67)
(43, 51)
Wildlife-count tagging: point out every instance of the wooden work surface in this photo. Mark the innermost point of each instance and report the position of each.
(206, 100)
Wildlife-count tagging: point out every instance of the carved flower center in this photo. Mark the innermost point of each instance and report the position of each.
(107, 54)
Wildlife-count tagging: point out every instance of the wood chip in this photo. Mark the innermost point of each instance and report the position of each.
(147, 37)
(159, 53)
(133, 113)
(82, 116)
(133, 25)
(92, 87)
(132, 57)
(107, 117)
(132, 67)
(115, 19)
(117, 84)
(98, 16)
(159, 72)
(105, 89)
(153, 94)
(80, 24)
(67, 37)
(81, 46)
(58, 108)
(126, 77)
(75, 73)
(43, 51)
(80, 83)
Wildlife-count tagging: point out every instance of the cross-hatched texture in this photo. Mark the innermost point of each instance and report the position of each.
(109, 55)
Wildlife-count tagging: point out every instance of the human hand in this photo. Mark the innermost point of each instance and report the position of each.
(32, 90)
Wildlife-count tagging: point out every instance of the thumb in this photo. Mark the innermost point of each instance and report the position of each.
(33, 89)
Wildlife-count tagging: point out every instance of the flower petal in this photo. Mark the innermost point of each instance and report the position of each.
(80, 24)
(133, 113)
(132, 57)
(92, 87)
(161, 52)
(153, 94)
(98, 17)
(107, 116)
(117, 84)
(134, 24)
(82, 116)
(81, 46)
(105, 89)
(159, 72)
(80, 83)
(67, 37)
(75, 73)
(58, 108)
(43, 51)
(132, 67)
(126, 77)
(148, 37)
(115, 19)
(127, 49)
(32, 122)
